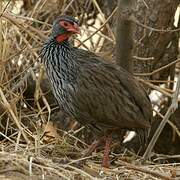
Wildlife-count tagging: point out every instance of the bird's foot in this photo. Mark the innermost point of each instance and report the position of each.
(106, 160)
(93, 147)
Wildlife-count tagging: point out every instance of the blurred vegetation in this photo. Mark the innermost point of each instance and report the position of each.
(31, 123)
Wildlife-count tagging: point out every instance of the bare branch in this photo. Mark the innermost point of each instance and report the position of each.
(172, 108)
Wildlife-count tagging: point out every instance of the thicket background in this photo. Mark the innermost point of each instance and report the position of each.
(36, 138)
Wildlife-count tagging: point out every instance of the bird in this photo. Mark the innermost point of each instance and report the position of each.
(98, 94)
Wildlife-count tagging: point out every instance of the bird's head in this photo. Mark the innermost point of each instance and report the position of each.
(64, 26)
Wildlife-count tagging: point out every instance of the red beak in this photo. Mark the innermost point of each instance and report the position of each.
(74, 29)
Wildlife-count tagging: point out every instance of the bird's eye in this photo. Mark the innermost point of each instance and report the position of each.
(65, 24)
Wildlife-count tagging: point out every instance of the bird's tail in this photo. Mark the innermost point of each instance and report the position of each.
(143, 136)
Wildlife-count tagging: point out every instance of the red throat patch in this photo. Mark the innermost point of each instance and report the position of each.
(62, 37)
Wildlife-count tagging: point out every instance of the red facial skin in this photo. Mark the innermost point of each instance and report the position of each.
(71, 29)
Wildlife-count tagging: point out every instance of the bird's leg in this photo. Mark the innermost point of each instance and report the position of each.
(107, 149)
(89, 151)
(93, 146)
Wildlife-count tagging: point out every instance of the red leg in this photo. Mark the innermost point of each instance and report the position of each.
(107, 149)
(93, 146)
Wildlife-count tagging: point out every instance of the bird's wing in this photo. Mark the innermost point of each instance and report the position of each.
(107, 95)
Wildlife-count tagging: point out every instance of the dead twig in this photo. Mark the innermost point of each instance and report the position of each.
(170, 123)
(102, 26)
(152, 86)
(158, 70)
(172, 108)
(8, 106)
(141, 169)
(133, 19)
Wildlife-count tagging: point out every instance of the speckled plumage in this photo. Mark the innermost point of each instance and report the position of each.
(98, 94)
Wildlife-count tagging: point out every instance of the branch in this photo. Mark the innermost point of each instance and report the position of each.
(172, 108)
(159, 69)
(101, 27)
(133, 19)
(124, 34)
(140, 169)
(8, 107)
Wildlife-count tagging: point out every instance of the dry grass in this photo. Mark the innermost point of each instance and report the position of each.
(26, 163)
(26, 150)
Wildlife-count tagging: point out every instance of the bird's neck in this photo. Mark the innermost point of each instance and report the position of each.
(62, 38)
(59, 60)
